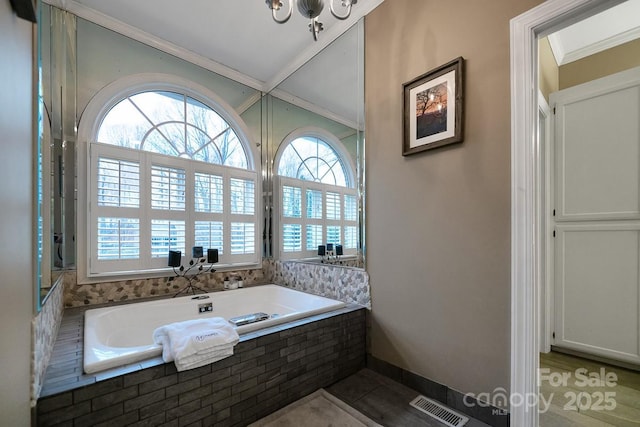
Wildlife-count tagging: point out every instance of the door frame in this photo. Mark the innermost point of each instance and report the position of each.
(527, 185)
(544, 199)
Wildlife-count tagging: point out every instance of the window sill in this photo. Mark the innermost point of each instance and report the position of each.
(158, 273)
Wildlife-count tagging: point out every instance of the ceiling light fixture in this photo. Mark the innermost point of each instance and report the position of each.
(309, 9)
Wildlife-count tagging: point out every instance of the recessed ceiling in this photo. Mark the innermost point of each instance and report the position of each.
(617, 25)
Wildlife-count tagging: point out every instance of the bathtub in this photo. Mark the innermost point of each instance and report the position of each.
(122, 334)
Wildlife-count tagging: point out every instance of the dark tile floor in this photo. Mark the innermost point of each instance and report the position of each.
(385, 401)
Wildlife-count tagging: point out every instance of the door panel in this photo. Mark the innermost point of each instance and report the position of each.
(596, 185)
(598, 289)
(599, 157)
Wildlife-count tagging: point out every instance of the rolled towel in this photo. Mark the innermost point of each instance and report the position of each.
(198, 336)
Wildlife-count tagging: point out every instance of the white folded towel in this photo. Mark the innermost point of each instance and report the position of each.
(202, 359)
(196, 342)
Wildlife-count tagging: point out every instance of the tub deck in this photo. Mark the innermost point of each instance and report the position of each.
(65, 368)
(270, 368)
(120, 335)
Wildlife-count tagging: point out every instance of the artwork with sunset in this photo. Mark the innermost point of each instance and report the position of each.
(433, 108)
(431, 111)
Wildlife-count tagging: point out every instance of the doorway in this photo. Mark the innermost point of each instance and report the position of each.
(527, 183)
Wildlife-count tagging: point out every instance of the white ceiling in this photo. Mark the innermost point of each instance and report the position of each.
(239, 39)
(614, 26)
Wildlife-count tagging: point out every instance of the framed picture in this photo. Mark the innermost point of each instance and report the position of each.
(26, 9)
(433, 108)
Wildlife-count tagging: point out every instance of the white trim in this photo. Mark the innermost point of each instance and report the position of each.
(114, 92)
(350, 175)
(135, 33)
(280, 221)
(524, 363)
(248, 103)
(557, 48)
(299, 102)
(525, 176)
(335, 31)
(99, 106)
(545, 266)
(563, 57)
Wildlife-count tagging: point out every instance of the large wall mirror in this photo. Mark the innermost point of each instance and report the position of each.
(326, 94)
(323, 103)
(56, 32)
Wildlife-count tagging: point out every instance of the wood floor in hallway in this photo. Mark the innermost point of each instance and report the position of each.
(586, 393)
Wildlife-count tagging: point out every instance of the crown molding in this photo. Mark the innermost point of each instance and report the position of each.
(325, 40)
(248, 103)
(602, 45)
(299, 102)
(132, 32)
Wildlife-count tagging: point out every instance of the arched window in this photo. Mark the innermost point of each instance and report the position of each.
(312, 159)
(173, 124)
(316, 196)
(169, 167)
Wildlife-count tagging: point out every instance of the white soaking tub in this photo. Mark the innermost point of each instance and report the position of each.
(122, 334)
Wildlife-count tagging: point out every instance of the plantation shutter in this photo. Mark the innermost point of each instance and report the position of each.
(313, 214)
(145, 204)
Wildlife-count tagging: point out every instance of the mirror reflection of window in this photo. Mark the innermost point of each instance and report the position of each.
(317, 196)
(311, 159)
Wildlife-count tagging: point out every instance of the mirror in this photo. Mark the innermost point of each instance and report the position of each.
(73, 70)
(56, 33)
(327, 94)
(42, 278)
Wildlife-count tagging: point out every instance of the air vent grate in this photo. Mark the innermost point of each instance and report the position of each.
(439, 412)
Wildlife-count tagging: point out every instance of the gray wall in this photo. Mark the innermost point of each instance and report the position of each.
(438, 223)
(16, 286)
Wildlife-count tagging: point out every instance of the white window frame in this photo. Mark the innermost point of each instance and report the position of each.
(88, 129)
(280, 181)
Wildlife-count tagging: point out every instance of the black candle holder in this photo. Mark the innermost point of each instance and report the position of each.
(330, 253)
(174, 261)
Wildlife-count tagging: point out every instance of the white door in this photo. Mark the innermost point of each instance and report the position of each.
(597, 217)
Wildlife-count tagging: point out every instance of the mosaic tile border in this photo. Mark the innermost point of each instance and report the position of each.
(337, 282)
(99, 293)
(45, 328)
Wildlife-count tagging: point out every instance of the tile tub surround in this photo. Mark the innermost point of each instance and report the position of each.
(270, 369)
(77, 295)
(342, 283)
(44, 332)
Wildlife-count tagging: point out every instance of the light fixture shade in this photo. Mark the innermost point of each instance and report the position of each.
(310, 8)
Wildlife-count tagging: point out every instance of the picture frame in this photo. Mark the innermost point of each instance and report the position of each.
(26, 9)
(433, 108)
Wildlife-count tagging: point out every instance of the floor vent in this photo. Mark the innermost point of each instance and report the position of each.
(439, 412)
